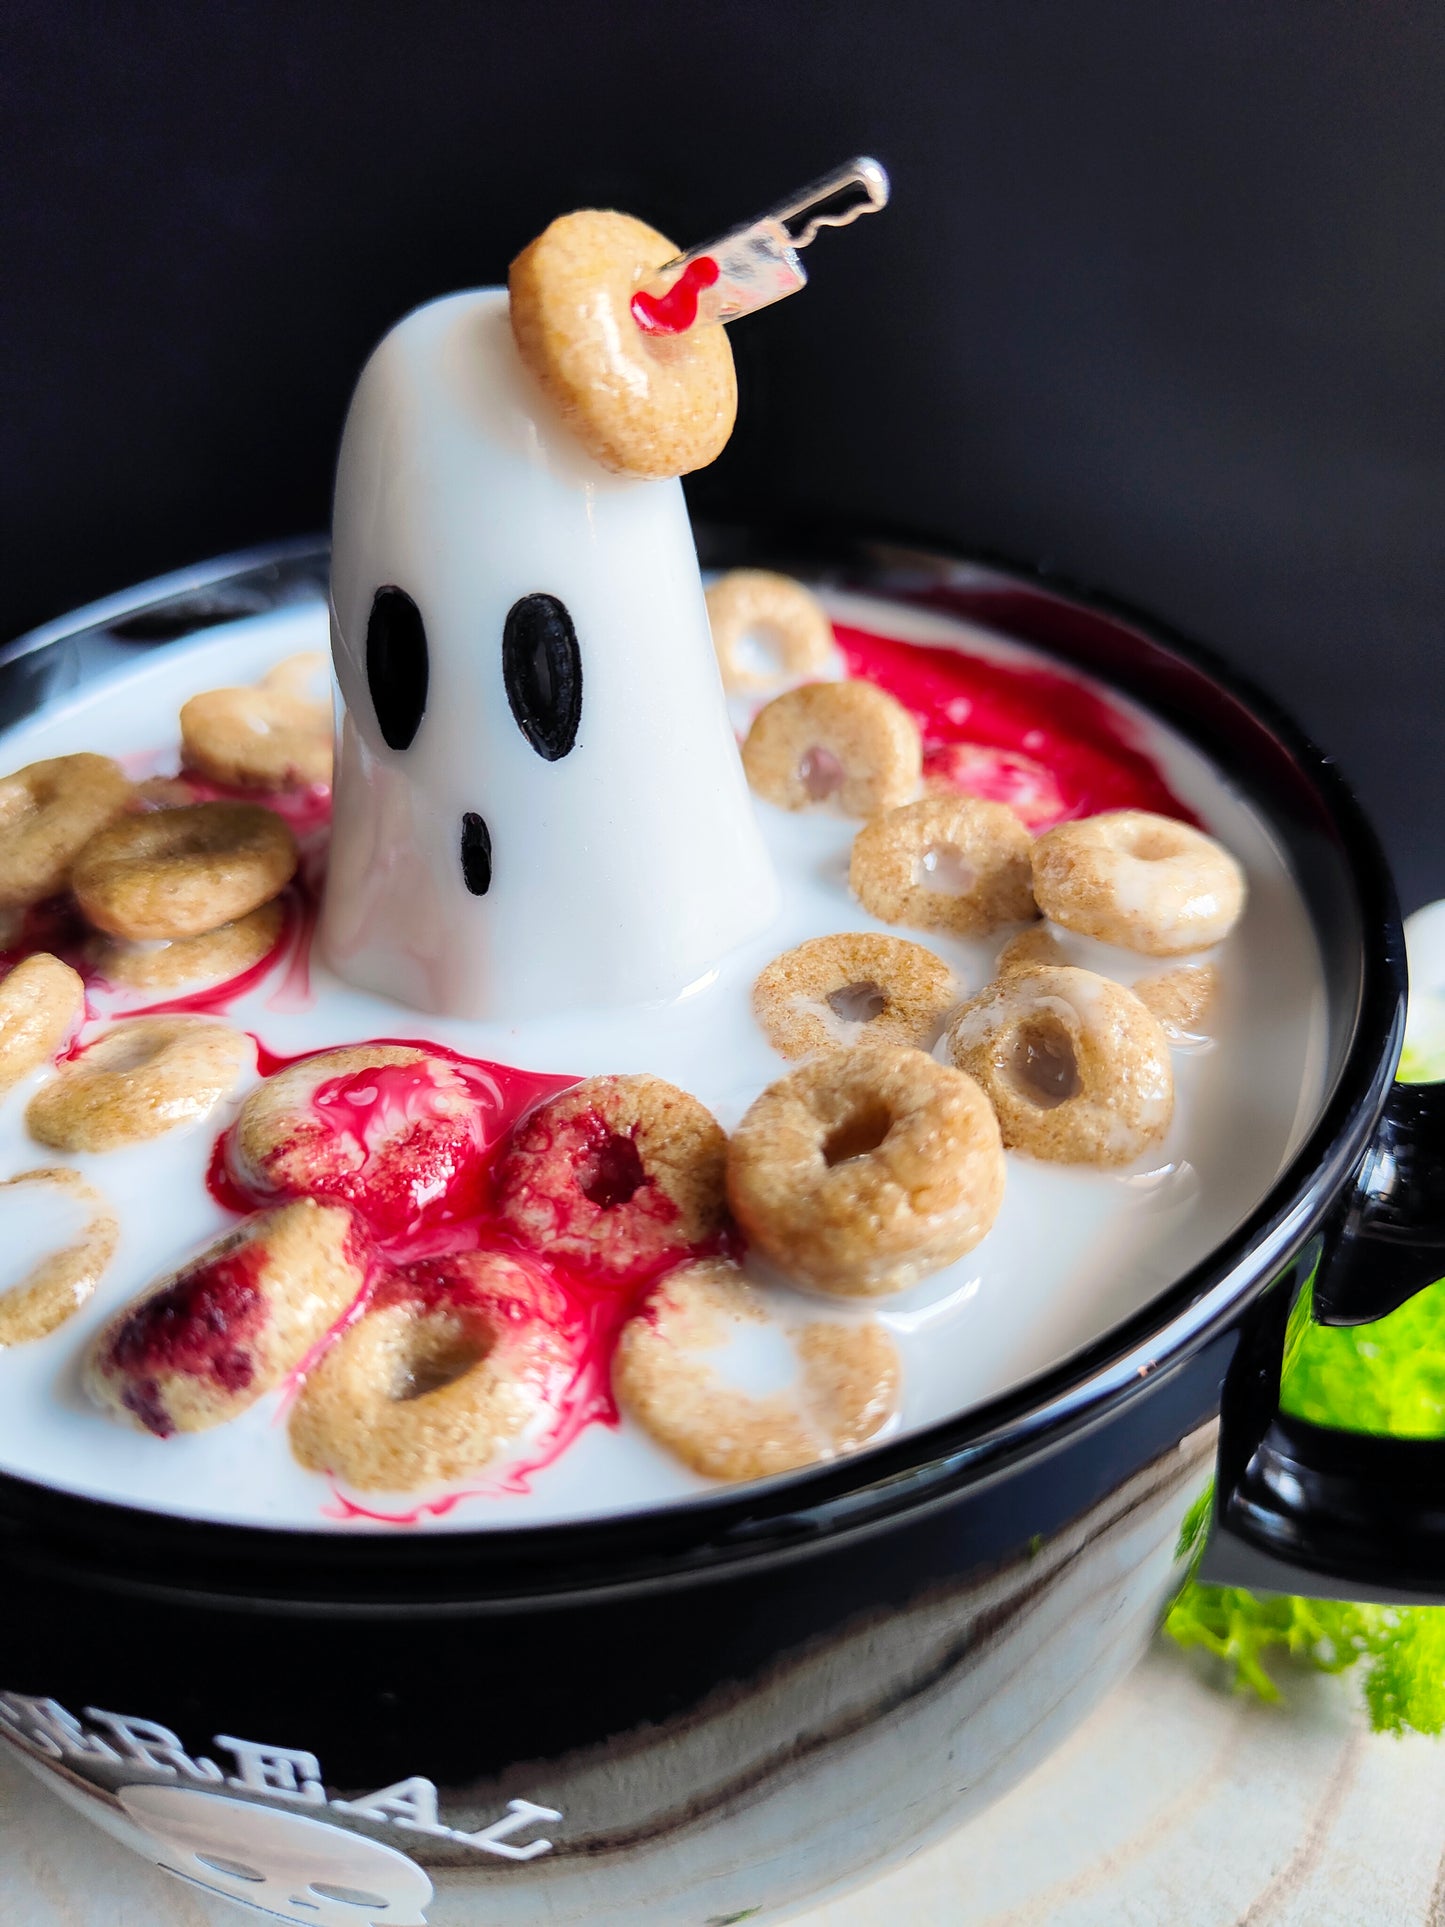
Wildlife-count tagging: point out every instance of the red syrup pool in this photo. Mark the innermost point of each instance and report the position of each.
(1037, 736)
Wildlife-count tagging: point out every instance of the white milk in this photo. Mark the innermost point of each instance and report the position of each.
(1073, 1252)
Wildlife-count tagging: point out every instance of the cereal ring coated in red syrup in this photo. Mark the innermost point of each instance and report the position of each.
(620, 1175)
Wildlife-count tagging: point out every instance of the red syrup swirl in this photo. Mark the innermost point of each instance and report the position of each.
(674, 313)
(1058, 745)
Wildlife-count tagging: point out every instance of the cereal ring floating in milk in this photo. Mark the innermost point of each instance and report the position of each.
(618, 1174)
(180, 872)
(1143, 881)
(641, 404)
(48, 812)
(212, 958)
(142, 1078)
(849, 744)
(857, 987)
(944, 863)
(451, 1359)
(208, 1340)
(61, 1283)
(846, 1389)
(863, 1171)
(1075, 1066)
(1036, 945)
(1180, 998)
(757, 614)
(270, 735)
(42, 1001)
(386, 1127)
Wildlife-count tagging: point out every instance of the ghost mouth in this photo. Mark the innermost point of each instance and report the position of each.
(476, 853)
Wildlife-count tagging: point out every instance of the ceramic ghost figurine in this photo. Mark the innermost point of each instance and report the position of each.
(539, 803)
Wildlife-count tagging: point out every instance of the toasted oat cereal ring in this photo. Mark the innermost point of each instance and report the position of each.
(862, 1171)
(271, 735)
(1144, 881)
(944, 863)
(181, 872)
(1180, 998)
(48, 812)
(619, 1174)
(849, 744)
(451, 1359)
(386, 1127)
(640, 403)
(59, 1284)
(857, 987)
(1036, 945)
(212, 958)
(41, 1002)
(1075, 1066)
(143, 1077)
(767, 629)
(206, 1341)
(846, 1389)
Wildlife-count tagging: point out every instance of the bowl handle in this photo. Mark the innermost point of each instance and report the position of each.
(1358, 1515)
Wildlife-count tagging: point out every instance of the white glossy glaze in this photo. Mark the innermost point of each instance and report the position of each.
(621, 872)
(1073, 1251)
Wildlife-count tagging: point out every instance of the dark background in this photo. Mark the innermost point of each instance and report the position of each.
(1160, 301)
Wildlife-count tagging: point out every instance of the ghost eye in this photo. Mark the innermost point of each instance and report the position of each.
(542, 669)
(397, 671)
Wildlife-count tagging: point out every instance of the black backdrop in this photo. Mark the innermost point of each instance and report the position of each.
(1160, 301)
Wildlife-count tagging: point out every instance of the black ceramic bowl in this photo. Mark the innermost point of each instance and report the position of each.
(724, 1709)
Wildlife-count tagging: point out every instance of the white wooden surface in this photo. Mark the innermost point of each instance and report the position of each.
(1175, 1806)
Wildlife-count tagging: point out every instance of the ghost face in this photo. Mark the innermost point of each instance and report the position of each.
(539, 801)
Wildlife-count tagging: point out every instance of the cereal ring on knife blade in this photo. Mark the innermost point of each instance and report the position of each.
(212, 958)
(208, 1340)
(944, 863)
(846, 1390)
(180, 872)
(1075, 1066)
(617, 1174)
(1143, 881)
(643, 404)
(757, 614)
(387, 1127)
(857, 987)
(143, 1077)
(862, 1171)
(42, 1000)
(48, 812)
(848, 744)
(269, 735)
(55, 1288)
(450, 1361)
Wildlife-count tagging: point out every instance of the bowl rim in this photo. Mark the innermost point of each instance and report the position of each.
(136, 1549)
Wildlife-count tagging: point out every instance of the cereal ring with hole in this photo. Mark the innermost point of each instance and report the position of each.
(386, 1127)
(42, 1001)
(1180, 998)
(858, 987)
(618, 1174)
(145, 1076)
(55, 1288)
(206, 1341)
(1075, 1066)
(1143, 881)
(1036, 945)
(48, 812)
(270, 735)
(181, 872)
(450, 1361)
(849, 744)
(845, 1393)
(767, 629)
(944, 863)
(861, 1172)
(642, 404)
(214, 957)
